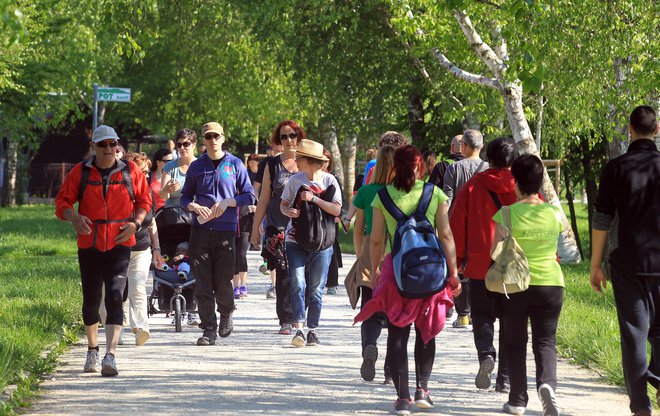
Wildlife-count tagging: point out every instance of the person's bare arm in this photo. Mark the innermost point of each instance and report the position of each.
(358, 231)
(377, 244)
(262, 207)
(447, 241)
(596, 273)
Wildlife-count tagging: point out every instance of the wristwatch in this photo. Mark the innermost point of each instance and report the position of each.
(137, 224)
(314, 199)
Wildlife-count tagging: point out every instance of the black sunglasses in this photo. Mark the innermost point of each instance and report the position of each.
(289, 136)
(212, 136)
(183, 144)
(103, 145)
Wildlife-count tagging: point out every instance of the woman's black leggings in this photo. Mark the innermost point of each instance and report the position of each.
(96, 269)
(242, 246)
(397, 359)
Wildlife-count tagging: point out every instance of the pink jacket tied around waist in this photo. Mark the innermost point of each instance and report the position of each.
(429, 314)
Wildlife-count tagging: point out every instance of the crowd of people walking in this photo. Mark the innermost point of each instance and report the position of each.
(429, 236)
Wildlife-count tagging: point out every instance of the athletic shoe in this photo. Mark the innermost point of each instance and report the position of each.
(120, 341)
(482, 381)
(226, 325)
(271, 293)
(92, 362)
(207, 338)
(285, 329)
(332, 291)
(193, 318)
(237, 293)
(141, 337)
(423, 399)
(369, 357)
(450, 312)
(402, 406)
(264, 268)
(298, 339)
(547, 397)
(312, 339)
(513, 410)
(183, 315)
(109, 366)
(388, 380)
(461, 322)
(242, 292)
(502, 386)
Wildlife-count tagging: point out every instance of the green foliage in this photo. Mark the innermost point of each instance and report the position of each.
(40, 296)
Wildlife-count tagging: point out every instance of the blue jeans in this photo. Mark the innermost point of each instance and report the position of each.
(318, 262)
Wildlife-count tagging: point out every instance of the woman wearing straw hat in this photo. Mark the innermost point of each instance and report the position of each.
(314, 181)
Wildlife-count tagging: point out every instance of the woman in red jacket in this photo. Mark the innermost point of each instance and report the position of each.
(473, 227)
(113, 198)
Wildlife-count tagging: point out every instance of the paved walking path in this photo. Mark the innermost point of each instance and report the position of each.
(256, 371)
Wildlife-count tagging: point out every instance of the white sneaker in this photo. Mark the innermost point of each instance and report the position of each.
(513, 410)
(548, 400)
(183, 315)
(193, 318)
(109, 366)
(141, 337)
(92, 363)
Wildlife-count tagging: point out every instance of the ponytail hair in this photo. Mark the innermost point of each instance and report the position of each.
(406, 159)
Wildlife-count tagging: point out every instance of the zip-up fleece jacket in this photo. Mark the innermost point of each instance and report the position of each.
(471, 218)
(108, 212)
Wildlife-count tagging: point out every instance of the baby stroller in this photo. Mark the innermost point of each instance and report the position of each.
(171, 293)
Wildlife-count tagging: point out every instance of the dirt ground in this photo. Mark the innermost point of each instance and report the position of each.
(256, 371)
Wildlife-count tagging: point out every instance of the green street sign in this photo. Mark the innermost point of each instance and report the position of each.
(114, 94)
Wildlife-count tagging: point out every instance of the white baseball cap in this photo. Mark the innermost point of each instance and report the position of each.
(104, 132)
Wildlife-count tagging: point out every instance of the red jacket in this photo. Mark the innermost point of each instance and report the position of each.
(471, 218)
(107, 213)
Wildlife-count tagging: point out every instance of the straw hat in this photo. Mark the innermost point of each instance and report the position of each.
(310, 148)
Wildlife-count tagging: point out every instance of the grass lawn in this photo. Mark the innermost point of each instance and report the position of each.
(40, 296)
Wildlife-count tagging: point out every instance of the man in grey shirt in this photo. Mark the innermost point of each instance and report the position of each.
(456, 176)
(460, 172)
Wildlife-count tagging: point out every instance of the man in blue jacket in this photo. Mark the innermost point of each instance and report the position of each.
(216, 184)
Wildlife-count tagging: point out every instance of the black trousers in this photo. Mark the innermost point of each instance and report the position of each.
(372, 326)
(283, 296)
(397, 359)
(483, 310)
(638, 309)
(541, 306)
(212, 255)
(108, 268)
(462, 301)
(242, 246)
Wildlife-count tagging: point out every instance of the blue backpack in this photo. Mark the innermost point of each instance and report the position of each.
(420, 267)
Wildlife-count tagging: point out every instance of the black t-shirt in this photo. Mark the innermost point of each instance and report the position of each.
(105, 175)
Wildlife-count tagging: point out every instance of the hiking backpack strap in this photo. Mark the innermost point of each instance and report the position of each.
(425, 200)
(390, 206)
(506, 219)
(84, 178)
(128, 181)
(496, 199)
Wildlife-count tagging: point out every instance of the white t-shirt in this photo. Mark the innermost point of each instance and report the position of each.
(318, 186)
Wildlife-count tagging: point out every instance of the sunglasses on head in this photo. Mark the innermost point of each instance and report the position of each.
(166, 160)
(290, 136)
(106, 144)
(183, 144)
(211, 136)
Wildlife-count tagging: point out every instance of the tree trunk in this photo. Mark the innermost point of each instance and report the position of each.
(328, 135)
(568, 249)
(571, 208)
(11, 188)
(416, 119)
(349, 156)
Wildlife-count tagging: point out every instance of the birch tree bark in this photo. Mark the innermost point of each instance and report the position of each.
(512, 93)
(10, 190)
(349, 156)
(328, 135)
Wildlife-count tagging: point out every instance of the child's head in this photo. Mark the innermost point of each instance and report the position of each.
(182, 248)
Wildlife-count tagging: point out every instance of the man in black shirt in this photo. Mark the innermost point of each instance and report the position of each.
(437, 176)
(630, 189)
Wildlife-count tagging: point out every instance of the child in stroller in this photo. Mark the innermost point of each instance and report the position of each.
(173, 293)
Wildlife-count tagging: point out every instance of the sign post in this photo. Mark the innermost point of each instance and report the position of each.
(115, 94)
